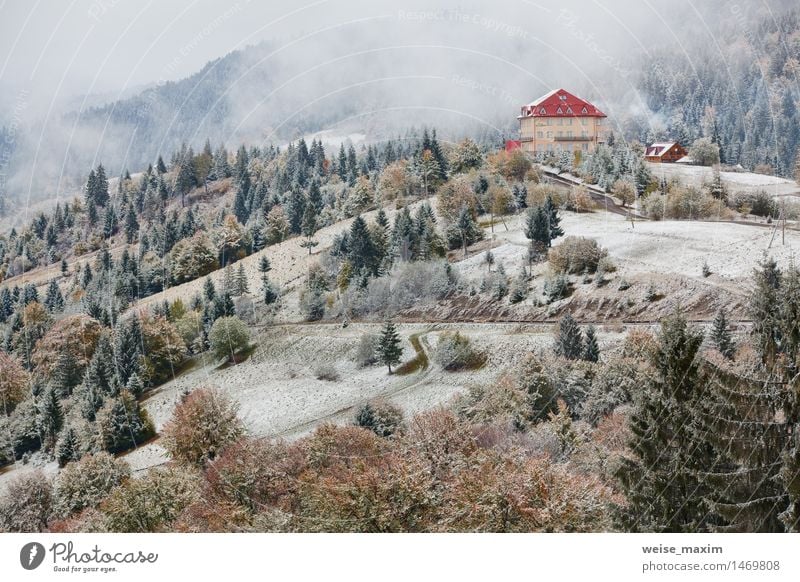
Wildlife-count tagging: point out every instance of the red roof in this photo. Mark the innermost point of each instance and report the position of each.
(560, 103)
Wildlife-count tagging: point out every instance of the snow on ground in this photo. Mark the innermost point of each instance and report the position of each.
(664, 247)
(289, 261)
(736, 181)
(280, 397)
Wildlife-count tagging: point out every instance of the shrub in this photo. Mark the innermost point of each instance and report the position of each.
(576, 255)
(87, 482)
(758, 203)
(382, 418)
(201, 426)
(191, 258)
(556, 287)
(152, 503)
(253, 472)
(27, 503)
(326, 372)
(455, 352)
(164, 349)
(704, 152)
(228, 337)
(367, 350)
(13, 382)
(74, 336)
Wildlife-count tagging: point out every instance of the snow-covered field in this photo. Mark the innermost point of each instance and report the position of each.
(736, 181)
(663, 247)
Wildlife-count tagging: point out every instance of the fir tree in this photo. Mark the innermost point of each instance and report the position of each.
(268, 291)
(664, 492)
(721, 336)
(363, 254)
(68, 448)
(553, 220)
(389, 350)
(51, 417)
(131, 225)
(242, 285)
(54, 300)
(263, 265)
(569, 339)
(209, 291)
(536, 227)
(161, 168)
(591, 350)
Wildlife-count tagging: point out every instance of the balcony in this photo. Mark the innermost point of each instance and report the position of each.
(574, 138)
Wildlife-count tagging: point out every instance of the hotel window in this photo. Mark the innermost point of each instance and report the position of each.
(560, 134)
(568, 121)
(569, 134)
(584, 134)
(540, 134)
(584, 121)
(585, 147)
(549, 135)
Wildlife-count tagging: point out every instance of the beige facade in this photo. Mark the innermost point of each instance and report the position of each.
(556, 134)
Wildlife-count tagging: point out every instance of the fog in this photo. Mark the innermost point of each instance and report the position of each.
(340, 67)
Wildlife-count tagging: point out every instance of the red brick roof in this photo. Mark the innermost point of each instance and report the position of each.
(560, 103)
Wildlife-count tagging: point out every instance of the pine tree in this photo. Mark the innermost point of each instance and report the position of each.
(263, 265)
(209, 291)
(68, 448)
(101, 195)
(242, 285)
(131, 225)
(64, 268)
(466, 226)
(591, 350)
(268, 291)
(161, 168)
(363, 254)
(389, 350)
(663, 489)
(309, 228)
(54, 300)
(569, 339)
(536, 227)
(553, 220)
(721, 336)
(128, 349)
(51, 417)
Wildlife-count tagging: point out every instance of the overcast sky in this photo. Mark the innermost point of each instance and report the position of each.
(73, 47)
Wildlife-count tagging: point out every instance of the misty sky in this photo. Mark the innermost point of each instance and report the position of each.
(65, 48)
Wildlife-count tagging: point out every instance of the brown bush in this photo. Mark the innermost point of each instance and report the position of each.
(576, 255)
(201, 427)
(75, 336)
(13, 382)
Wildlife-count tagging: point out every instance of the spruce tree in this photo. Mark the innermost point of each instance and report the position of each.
(569, 339)
(536, 227)
(389, 350)
(131, 225)
(68, 448)
(54, 300)
(209, 291)
(263, 265)
(591, 350)
(51, 417)
(721, 336)
(268, 291)
(242, 286)
(553, 220)
(101, 187)
(363, 254)
(663, 489)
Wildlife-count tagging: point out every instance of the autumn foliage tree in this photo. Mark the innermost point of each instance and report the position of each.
(201, 426)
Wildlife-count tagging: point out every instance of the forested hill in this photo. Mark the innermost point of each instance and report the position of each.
(739, 86)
